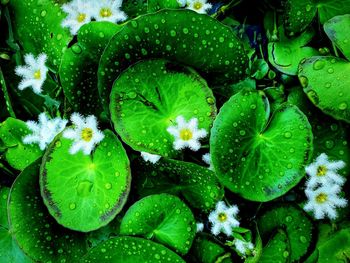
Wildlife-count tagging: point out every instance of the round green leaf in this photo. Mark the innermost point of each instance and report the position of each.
(295, 223)
(178, 35)
(36, 232)
(85, 192)
(163, 218)
(154, 93)
(326, 82)
(18, 154)
(198, 185)
(257, 156)
(4, 192)
(37, 26)
(80, 63)
(337, 29)
(131, 250)
(277, 249)
(9, 250)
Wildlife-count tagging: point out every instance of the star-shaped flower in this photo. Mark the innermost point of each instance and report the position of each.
(33, 73)
(44, 131)
(109, 10)
(148, 157)
(223, 218)
(85, 134)
(199, 6)
(243, 246)
(187, 134)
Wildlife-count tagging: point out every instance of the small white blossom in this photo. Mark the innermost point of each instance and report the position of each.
(44, 131)
(324, 200)
(33, 73)
(206, 158)
(187, 134)
(200, 227)
(85, 133)
(223, 218)
(79, 14)
(243, 246)
(152, 158)
(109, 10)
(182, 3)
(324, 172)
(199, 6)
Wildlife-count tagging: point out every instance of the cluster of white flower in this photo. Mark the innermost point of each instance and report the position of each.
(323, 187)
(199, 6)
(80, 12)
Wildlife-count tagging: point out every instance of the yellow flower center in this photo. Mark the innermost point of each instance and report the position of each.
(37, 74)
(81, 17)
(186, 134)
(222, 217)
(321, 170)
(86, 134)
(197, 5)
(105, 12)
(321, 198)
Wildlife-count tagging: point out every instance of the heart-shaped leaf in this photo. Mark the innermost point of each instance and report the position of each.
(295, 223)
(257, 156)
(326, 82)
(198, 185)
(85, 192)
(80, 63)
(36, 232)
(154, 93)
(174, 35)
(18, 154)
(337, 29)
(131, 250)
(163, 218)
(45, 33)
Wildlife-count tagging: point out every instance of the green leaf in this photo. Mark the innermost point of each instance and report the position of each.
(18, 154)
(277, 249)
(35, 230)
(163, 218)
(134, 8)
(206, 250)
(80, 63)
(4, 192)
(257, 156)
(37, 26)
(286, 54)
(294, 222)
(181, 36)
(162, 91)
(156, 5)
(326, 82)
(9, 250)
(259, 69)
(337, 29)
(85, 192)
(131, 250)
(198, 185)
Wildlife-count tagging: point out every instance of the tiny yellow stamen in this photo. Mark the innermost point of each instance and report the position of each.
(81, 17)
(197, 5)
(186, 134)
(37, 74)
(222, 217)
(86, 134)
(321, 170)
(321, 198)
(105, 12)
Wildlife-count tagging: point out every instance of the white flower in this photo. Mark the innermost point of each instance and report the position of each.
(206, 158)
(79, 13)
(44, 131)
(199, 6)
(182, 3)
(85, 133)
(187, 134)
(152, 158)
(243, 246)
(200, 227)
(223, 218)
(109, 10)
(324, 172)
(324, 200)
(33, 73)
